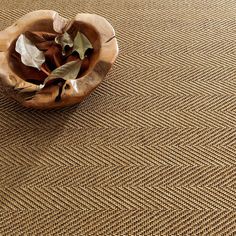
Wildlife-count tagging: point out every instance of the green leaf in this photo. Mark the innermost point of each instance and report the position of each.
(67, 71)
(30, 54)
(64, 40)
(81, 44)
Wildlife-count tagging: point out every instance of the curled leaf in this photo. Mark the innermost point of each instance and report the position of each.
(39, 37)
(67, 71)
(60, 24)
(30, 54)
(43, 41)
(48, 36)
(44, 46)
(33, 37)
(64, 40)
(81, 44)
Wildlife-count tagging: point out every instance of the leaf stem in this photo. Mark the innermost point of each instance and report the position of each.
(44, 70)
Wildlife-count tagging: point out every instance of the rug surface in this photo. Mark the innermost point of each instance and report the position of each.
(152, 151)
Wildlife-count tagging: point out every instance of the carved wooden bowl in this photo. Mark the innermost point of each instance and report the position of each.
(16, 78)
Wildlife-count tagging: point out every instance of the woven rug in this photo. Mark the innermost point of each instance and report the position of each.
(152, 150)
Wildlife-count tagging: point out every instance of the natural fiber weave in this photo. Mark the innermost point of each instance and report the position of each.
(152, 150)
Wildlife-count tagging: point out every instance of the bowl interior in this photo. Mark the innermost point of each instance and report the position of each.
(33, 75)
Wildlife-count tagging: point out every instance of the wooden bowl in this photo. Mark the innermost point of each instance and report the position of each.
(13, 76)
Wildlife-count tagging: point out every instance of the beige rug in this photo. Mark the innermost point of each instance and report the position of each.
(152, 150)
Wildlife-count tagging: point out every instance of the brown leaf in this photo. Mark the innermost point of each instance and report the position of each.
(33, 37)
(41, 40)
(48, 36)
(54, 57)
(44, 46)
(72, 58)
(30, 74)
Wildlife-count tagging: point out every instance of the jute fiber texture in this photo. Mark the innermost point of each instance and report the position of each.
(152, 150)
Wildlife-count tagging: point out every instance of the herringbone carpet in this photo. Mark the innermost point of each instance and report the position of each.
(152, 150)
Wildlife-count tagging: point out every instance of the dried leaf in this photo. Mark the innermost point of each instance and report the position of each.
(30, 54)
(43, 41)
(33, 37)
(72, 57)
(64, 40)
(48, 36)
(81, 44)
(30, 74)
(60, 24)
(44, 46)
(53, 57)
(67, 71)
